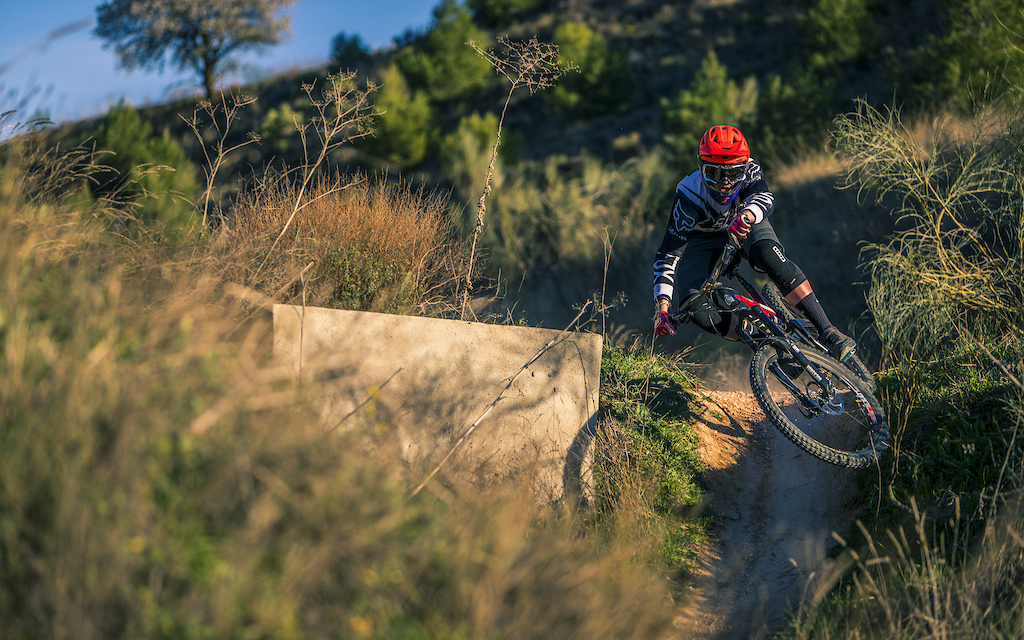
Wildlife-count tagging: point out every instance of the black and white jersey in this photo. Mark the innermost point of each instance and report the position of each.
(694, 211)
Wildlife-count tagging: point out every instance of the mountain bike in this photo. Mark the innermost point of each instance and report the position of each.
(824, 406)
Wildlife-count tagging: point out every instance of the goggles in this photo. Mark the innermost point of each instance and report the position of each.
(724, 178)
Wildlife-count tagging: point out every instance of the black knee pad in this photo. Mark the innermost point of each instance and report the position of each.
(769, 257)
(708, 318)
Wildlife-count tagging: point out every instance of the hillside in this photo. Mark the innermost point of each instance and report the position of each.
(133, 310)
(663, 46)
(558, 162)
(648, 54)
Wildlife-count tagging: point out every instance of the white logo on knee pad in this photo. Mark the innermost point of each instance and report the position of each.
(778, 252)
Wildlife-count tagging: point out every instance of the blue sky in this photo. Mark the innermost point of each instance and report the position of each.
(73, 77)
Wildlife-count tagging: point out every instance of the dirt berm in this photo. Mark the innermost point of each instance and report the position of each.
(775, 509)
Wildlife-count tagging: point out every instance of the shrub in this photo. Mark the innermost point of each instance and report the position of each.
(792, 115)
(602, 84)
(711, 98)
(348, 52)
(495, 13)
(373, 246)
(977, 61)
(839, 32)
(439, 62)
(465, 155)
(405, 124)
(958, 269)
(148, 172)
(278, 125)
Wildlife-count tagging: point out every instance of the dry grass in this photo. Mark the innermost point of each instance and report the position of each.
(808, 170)
(958, 264)
(912, 584)
(373, 245)
(160, 477)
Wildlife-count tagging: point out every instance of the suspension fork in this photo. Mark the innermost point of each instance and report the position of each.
(823, 382)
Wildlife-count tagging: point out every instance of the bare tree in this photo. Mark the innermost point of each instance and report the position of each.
(528, 63)
(199, 35)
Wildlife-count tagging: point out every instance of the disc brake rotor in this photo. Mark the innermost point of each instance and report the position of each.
(832, 406)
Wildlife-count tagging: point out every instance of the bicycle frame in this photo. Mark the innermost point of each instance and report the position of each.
(755, 314)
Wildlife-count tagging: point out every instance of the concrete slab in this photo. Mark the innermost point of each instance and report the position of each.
(429, 380)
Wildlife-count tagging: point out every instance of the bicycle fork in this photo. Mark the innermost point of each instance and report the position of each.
(827, 400)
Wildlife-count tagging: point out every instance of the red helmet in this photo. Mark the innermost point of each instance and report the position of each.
(722, 158)
(723, 144)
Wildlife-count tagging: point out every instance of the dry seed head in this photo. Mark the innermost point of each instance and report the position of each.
(528, 63)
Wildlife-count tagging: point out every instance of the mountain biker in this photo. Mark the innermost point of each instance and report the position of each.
(727, 199)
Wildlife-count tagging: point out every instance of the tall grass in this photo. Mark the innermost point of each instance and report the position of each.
(373, 245)
(160, 476)
(958, 264)
(942, 554)
(915, 583)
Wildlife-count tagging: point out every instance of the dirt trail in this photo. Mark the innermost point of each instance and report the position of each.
(775, 509)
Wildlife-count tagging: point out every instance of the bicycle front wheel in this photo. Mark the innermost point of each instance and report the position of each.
(838, 420)
(787, 313)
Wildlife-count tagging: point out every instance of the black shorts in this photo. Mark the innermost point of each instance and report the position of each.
(703, 249)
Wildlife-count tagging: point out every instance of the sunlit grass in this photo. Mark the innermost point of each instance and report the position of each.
(942, 553)
(160, 476)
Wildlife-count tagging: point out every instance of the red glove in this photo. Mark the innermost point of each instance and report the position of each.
(739, 228)
(662, 326)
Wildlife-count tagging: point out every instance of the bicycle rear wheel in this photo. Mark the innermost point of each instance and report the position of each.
(774, 298)
(846, 427)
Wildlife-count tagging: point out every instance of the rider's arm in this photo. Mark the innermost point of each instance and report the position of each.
(680, 225)
(663, 304)
(755, 195)
(664, 275)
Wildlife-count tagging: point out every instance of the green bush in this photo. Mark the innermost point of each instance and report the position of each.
(466, 153)
(711, 98)
(602, 84)
(839, 32)
(405, 125)
(792, 115)
(278, 125)
(149, 173)
(439, 62)
(976, 61)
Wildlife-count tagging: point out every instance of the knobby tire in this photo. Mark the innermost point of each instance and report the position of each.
(854, 435)
(774, 298)
(787, 313)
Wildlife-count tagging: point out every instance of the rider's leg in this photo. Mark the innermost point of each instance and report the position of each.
(706, 316)
(702, 251)
(765, 253)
